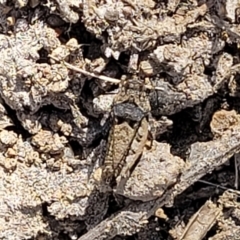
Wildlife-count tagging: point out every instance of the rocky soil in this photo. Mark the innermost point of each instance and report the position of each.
(119, 119)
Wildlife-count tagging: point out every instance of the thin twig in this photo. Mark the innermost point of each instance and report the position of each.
(86, 73)
(236, 163)
(219, 186)
(101, 77)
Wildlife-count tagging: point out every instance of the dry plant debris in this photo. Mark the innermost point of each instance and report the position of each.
(119, 119)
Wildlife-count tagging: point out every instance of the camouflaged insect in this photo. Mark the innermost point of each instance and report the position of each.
(129, 132)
